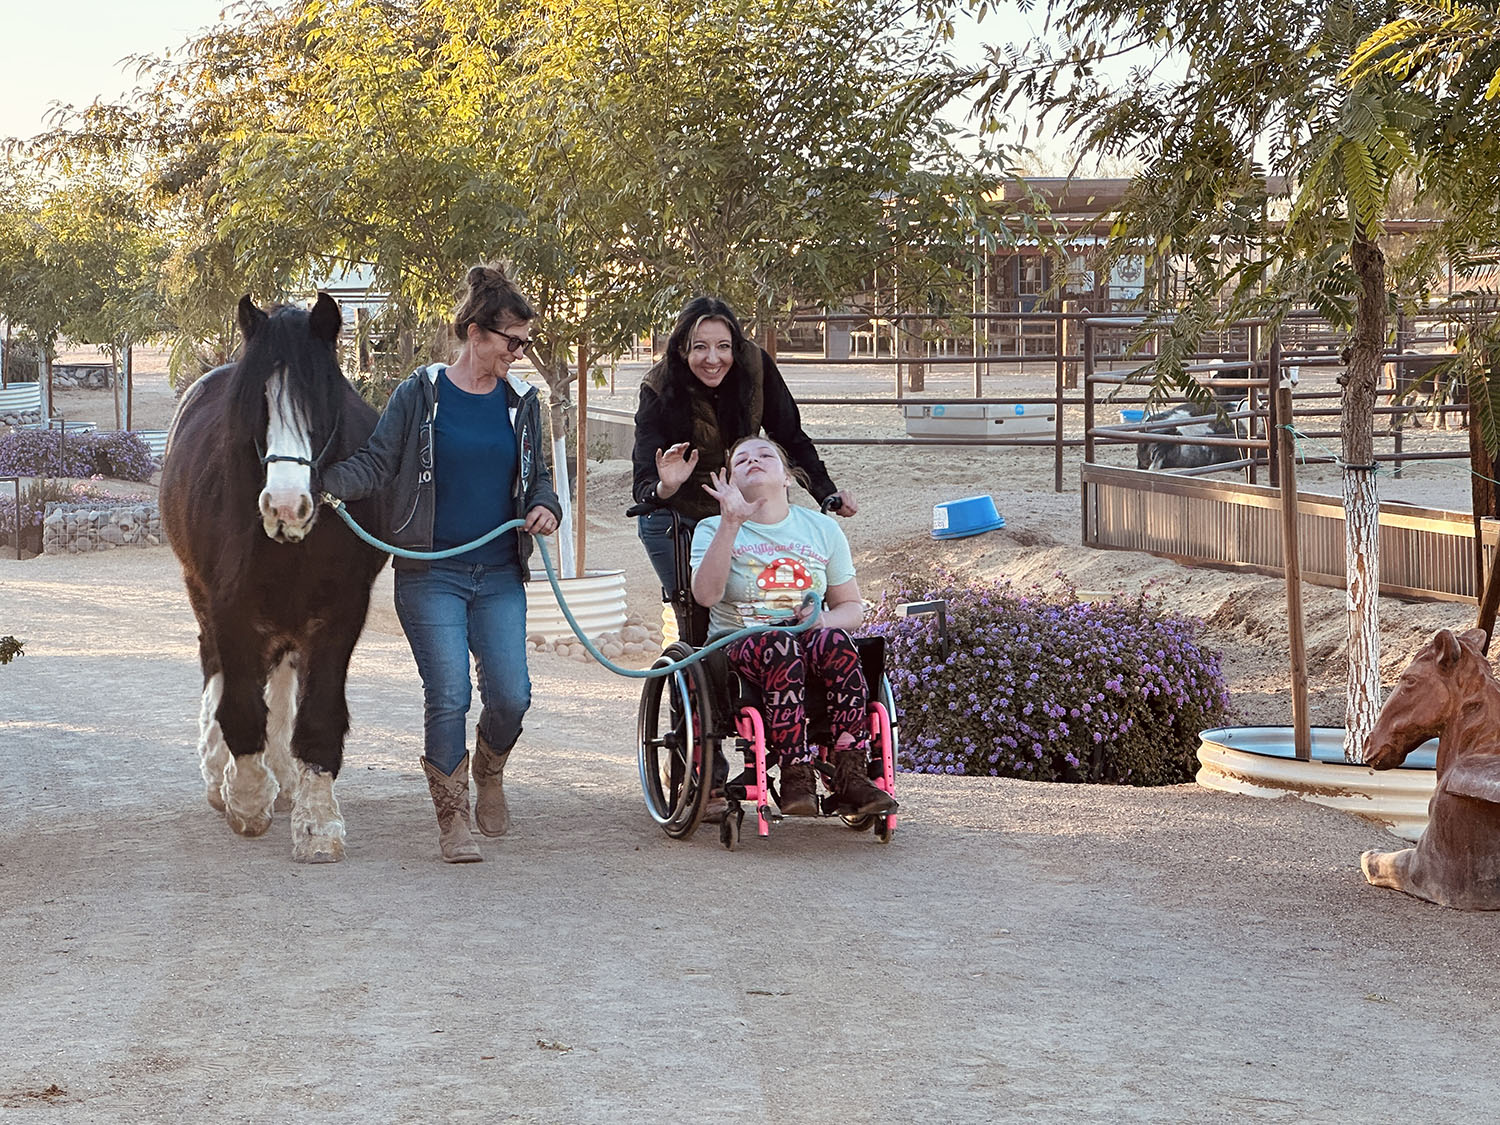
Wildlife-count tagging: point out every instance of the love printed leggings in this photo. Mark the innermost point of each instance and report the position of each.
(779, 662)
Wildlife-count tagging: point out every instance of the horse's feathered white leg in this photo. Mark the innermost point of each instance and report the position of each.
(213, 752)
(249, 792)
(281, 716)
(317, 820)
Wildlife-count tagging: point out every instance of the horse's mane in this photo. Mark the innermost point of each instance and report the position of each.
(314, 386)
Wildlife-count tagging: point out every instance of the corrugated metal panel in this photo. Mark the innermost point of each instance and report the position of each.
(1424, 552)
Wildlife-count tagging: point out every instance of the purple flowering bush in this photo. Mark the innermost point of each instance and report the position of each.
(1048, 688)
(36, 453)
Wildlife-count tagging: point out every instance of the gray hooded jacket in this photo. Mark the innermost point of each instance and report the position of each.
(397, 462)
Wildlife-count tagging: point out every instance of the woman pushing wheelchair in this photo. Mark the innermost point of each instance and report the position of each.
(763, 561)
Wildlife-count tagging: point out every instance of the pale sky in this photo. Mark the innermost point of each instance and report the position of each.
(71, 50)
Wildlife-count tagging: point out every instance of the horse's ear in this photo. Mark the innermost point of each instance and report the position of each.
(1448, 649)
(251, 318)
(1476, 639)
(325, 319)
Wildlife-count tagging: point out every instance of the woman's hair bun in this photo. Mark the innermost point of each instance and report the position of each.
(478, 275)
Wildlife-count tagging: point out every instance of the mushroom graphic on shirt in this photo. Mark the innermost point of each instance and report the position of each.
(783, 584)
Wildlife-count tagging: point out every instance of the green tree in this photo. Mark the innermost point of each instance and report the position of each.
(1218, 99)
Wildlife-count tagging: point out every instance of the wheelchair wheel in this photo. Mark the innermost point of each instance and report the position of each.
(677, 744)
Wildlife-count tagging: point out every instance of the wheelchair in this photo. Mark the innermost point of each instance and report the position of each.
(690, 717)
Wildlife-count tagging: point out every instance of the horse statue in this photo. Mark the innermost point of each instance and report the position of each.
(1447, 690)
(280, 596)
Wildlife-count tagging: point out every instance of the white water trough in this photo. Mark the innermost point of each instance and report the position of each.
(597, 602)
(1261, 762)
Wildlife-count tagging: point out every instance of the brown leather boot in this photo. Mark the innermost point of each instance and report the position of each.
(450, 797)
(490, 812)
(799, 790)
(856, 794)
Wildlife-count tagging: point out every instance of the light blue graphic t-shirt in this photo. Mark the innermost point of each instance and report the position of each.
(774, 566)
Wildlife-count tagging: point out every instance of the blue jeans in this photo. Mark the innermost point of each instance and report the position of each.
(447, 612)
(655, 531)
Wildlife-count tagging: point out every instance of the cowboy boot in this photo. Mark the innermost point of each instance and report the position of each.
(855, 793)
(490, 812)
(798, 795)
(450, 797)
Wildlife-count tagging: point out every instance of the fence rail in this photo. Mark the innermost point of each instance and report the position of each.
(1424, 552)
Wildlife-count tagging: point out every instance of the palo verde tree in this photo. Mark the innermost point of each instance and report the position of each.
(1448, 54)
(1220, 100)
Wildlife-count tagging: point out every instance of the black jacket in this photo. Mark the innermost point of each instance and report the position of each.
(658, 428)
(397, 461)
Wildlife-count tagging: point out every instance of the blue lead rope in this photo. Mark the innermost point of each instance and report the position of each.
(633, 673)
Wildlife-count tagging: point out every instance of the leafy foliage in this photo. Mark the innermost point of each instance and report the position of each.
(10, 648)
(1048, 688)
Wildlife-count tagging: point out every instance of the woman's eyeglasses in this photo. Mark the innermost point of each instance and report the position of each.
(516, 344)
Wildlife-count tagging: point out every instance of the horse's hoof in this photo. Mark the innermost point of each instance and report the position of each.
(318, 849)
(215, 798)
(285, 801)
(255, 824)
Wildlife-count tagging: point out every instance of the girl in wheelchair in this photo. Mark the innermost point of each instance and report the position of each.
(762, 561)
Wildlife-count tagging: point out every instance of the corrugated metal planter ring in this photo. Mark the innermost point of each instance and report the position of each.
(597, 601)
(1260, 762)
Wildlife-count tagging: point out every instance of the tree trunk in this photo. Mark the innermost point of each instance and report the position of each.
(910, 335)
(116, 372)
(1362, 498)
(47, 356)
(129, 385)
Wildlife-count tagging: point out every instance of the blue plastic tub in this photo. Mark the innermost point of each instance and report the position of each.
(955, 519)
(1132, 415)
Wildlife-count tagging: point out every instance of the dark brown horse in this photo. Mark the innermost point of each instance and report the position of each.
(1447, 690)
(280, 595)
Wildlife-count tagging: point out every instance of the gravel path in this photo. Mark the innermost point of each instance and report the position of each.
(1019, 952)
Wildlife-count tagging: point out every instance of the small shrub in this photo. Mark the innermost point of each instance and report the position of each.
(38, 453)
(10, 648)
(119, 455)
(1048, 688)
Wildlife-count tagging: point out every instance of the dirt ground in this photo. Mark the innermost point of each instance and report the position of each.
(1018, 952)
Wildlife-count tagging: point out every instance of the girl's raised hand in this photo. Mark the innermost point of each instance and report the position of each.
(733, 507)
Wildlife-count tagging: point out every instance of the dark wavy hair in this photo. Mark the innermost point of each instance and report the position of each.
(490, 296)
(734, 410)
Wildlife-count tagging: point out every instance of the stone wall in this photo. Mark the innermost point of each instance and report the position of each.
(82, 376)
(75, 528)
(20, 417)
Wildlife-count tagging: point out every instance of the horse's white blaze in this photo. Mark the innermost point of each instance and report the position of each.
(281, 718)
(317, 820)
(213, 752)
(286, 503)
(249, 790)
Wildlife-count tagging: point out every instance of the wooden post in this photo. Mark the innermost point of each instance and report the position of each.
(1061, 372)
(580, 509)
(1292, 567)
(129, 384)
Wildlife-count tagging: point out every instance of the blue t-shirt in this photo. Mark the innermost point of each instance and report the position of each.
(474, 472)
(774, 566)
